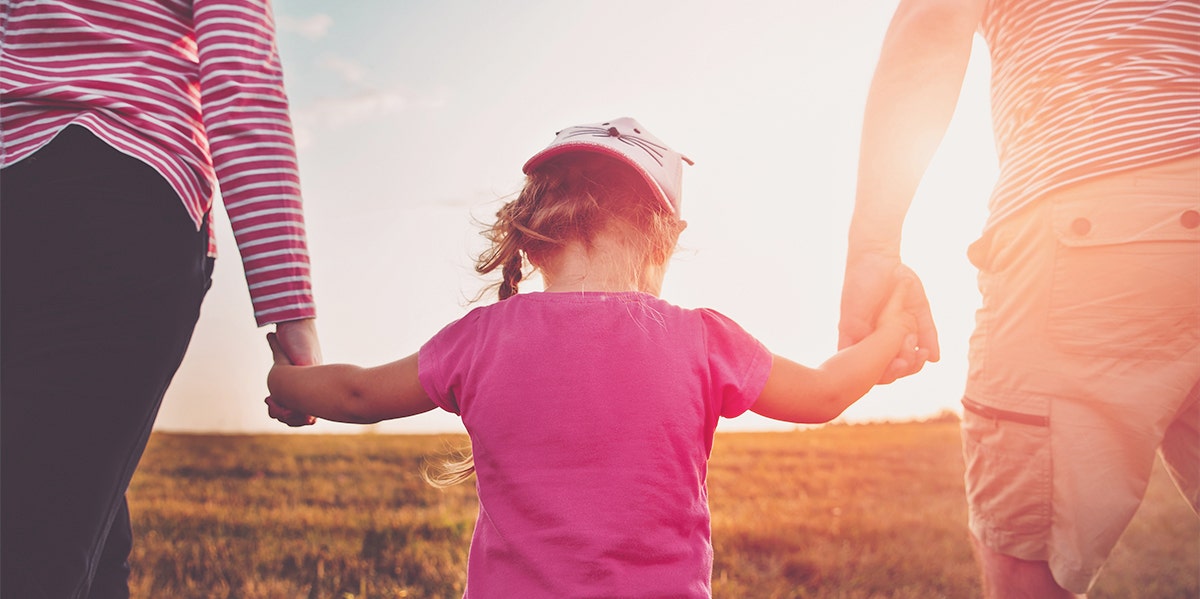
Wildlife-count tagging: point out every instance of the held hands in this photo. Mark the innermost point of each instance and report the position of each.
(876, 284)
(896, 316)
(293, 343)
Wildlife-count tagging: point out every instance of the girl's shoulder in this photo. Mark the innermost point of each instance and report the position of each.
(545, 306)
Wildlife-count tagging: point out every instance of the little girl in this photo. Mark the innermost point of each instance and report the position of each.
(591, 406)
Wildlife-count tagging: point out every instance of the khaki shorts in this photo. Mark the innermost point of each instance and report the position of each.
(1084, 364)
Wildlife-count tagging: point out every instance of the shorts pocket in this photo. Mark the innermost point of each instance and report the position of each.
(1008, 470)
(1126, 280)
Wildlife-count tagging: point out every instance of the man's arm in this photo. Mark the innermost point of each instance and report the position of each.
(911, 100)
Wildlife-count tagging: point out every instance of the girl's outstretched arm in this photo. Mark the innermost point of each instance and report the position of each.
(347, 393)
(797, 393)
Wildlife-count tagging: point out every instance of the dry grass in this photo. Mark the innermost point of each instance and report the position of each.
(838, 512)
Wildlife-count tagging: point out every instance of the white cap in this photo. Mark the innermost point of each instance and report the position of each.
(627, 140)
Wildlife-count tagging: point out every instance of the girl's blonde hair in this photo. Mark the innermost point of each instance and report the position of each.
(572, 198)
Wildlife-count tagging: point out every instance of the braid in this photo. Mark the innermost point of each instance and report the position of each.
(512, 275)
(507, 236)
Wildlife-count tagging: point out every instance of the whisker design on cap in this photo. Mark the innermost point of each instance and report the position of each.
(656, 151)
(650, 148)
(625, 139)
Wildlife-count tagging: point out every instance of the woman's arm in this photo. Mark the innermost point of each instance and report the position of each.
(797, 393)
(244, 107)
(347, 393)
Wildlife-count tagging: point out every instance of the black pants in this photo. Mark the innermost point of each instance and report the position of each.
(101, 278)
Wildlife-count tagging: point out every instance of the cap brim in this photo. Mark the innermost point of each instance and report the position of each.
(583, 146)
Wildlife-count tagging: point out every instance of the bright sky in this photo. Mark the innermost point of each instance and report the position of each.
(413, 118)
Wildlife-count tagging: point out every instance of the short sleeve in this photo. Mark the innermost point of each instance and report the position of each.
(442, 362)
(738, 364)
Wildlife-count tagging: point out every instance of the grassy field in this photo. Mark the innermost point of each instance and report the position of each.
(838, 512)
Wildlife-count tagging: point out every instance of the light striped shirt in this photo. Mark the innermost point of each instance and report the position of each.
(193, 89)
(1087, 88)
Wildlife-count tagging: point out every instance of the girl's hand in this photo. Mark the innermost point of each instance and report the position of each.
(279, 411)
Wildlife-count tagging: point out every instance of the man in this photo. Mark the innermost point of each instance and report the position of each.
(1086, 354)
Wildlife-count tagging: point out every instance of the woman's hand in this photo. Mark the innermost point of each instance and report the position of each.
(279, 411)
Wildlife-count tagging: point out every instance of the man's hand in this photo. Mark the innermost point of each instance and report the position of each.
(868, 284)
(293, 342)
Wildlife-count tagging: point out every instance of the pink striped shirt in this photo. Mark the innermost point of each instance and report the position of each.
(1087, 88)
(194, 89)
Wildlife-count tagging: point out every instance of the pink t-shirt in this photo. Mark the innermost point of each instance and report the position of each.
(591, 418)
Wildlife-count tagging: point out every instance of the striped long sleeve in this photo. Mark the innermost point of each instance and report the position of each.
(246, 115)
(195, 90)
